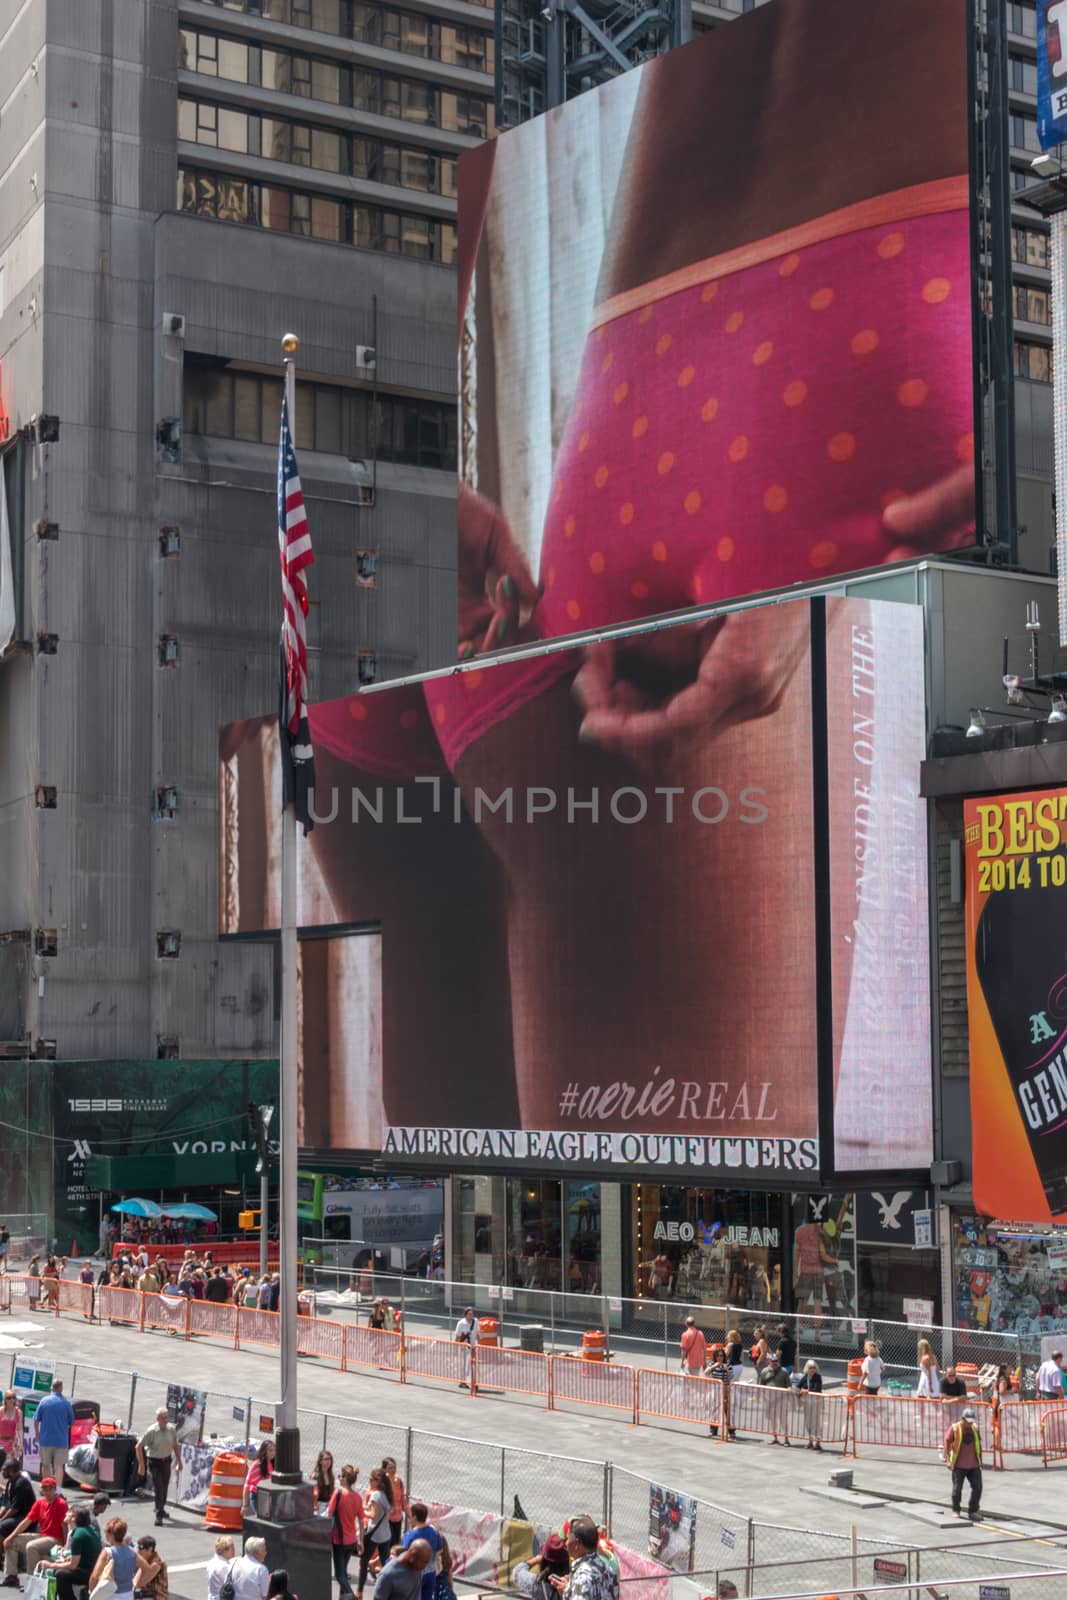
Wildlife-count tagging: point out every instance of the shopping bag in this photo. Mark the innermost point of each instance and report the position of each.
(36, 1585)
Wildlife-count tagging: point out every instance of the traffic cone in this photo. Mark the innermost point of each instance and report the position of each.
(73, 1249)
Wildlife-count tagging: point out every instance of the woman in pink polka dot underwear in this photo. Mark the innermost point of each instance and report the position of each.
(777, 384)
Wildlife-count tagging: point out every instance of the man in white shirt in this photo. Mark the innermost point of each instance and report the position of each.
(467, 1334)
(251, 1580)
(1050, 1377)
(219, 1565)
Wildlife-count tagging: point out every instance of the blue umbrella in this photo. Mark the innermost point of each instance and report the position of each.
(190, 1212)
(138, 1208)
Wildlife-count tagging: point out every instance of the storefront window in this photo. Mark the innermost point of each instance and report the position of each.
(535, 1228)
(824, 1254)
(583, 1237)
(707, 1246)
(1009, 1278)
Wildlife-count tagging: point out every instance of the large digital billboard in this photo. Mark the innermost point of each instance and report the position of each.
(716, 323)
(630, 906)
(1016, 848)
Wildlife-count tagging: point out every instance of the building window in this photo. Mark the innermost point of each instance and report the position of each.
(1024, 133)
(1033, 361)
(291, 72)
(1022, 19)
(228, 199)
(1032, 305)
(1022, 75)
(1030, 247)
(330, 417)
(370, 23)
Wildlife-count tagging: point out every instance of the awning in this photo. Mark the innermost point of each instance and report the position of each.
(150, 1174)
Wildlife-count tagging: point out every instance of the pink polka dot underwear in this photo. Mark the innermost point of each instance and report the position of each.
(747, 431)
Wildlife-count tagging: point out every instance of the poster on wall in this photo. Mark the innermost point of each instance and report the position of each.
(684, 380)
(672, 1528)
(595, 870)
(31, 1381)
(1016, 885)
(186, 1408)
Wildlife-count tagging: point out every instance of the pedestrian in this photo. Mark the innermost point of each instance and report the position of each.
(589, 1577)
(101, 1506)
(759, 1349)
(423, 1528)
(219, 1565)
(278, 1586)
(787, 1349)
(261, 1468)
(50, 1283)
(86, 1275)
(376, 1536)
(871, 1367)
(74, 1566)
(17, 1497)
(10, 1427)
(811, 1384)
(249, 1574)
(694, 1348)
(953, 1386)
(52, 1424)
(467, 1334)
(5, 1246)
(154, 1582)
(148, 1282)
(772, 1377)
(401, 1578)
(33, 1287)
(718, 1369)
(322, 1478)
(346, 1511)
(217, 1289)
(443, 1589)
(734, 1355)
(1050, 1377)
(400, 1501)
(39, 1530)
(377, 1315)
(929, 1384)
(963, 1456)
(157, 1451)
(534, 1577)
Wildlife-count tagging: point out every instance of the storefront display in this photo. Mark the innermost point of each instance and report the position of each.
(1009, 1277)
(824, 1254)
(708, 1246)
(528, 1233)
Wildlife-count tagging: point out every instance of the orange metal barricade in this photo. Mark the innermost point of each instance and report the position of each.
(788, 1413)
(1019, 1425)
(1054, 1435)
(590, 1383)
(375, 1347)
(436, 1358)
(315, 1336)
(23, 1293)
(257, 1327)
(520, 1371)
(209, 1319)
(76, 1297)
(170, 1312)
(676, 1394)
(916, 1424)
(119, 1305)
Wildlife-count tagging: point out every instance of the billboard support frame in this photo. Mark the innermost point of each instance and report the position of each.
(821, 890)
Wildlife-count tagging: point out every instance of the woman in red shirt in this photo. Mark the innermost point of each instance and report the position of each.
(346, 1509)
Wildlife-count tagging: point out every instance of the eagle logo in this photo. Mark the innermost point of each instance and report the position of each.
(889, 1210)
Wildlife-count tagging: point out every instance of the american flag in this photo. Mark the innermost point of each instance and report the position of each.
(295, 553)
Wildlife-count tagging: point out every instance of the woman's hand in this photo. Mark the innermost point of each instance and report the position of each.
(645, 694)
(496, 591)
(934, 519)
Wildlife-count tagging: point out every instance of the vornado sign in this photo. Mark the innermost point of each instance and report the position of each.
(707, 1233)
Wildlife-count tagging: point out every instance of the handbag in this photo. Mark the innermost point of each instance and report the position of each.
(105, 1585)
(226, 1590)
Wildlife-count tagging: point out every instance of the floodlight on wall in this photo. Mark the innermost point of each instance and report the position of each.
(44, 429)
(1059, 709)
(976, 725)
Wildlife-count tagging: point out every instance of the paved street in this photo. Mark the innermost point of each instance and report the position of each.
(748, 1478)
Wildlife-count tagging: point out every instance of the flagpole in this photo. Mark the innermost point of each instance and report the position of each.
(287, 1444)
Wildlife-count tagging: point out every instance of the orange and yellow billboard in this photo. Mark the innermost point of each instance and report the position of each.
(1016, 847)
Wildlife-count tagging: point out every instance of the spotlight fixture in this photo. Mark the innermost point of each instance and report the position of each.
(1059, 709)
(976, 726)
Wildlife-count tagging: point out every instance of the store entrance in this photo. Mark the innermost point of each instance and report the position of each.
(528, 1233)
